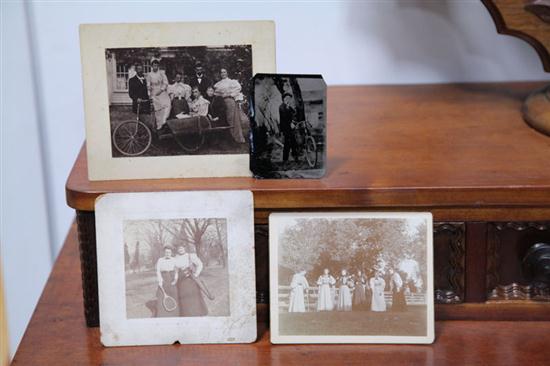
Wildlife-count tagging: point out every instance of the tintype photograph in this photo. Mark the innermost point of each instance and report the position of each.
(170, 100)
(176, 267)
(288, 126)
(351, 278)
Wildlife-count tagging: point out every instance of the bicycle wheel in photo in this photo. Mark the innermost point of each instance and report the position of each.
(132, 138)
(311, 151)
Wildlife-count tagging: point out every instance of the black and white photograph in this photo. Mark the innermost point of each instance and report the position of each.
(176, 267)
(171, 100)
(351, 278)
(179, 100)
(288, 126)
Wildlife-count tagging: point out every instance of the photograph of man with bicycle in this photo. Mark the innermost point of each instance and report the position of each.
(289, 126)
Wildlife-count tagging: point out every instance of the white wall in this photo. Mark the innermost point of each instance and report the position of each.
(25, 240)
(369, 42)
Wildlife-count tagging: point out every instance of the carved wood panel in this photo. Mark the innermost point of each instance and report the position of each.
(507, 244)
(449, 262)
(262, 263)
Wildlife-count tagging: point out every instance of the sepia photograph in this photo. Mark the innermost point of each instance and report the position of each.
(171, 100)
(289, 126)
(176, 267)
(179, 100)
(351, 278)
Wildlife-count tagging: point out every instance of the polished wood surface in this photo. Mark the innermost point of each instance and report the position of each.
(461, 151)
(57, 335)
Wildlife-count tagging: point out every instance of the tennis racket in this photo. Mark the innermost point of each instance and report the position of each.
(168, 302)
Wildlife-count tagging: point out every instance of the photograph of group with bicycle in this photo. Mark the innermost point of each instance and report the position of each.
(289, 126)
(179, 100)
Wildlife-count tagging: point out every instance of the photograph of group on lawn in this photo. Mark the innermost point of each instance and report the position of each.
(353, 276)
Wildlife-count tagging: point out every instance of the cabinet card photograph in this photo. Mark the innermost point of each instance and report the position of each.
(288, 126)
(351, 277)
(176, 266)
(171, 99)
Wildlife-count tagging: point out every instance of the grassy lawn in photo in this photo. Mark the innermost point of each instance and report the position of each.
(408, 323)
(218, 142)
(141, 289)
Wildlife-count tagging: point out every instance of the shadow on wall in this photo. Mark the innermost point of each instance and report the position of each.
(441, 37)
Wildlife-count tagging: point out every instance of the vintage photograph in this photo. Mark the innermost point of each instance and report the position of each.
(176, 267)
(171, 100)
(351, 278)
(289, 126)
(179, 100)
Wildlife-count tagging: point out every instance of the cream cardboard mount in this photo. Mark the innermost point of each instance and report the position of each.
(126, 66)
(176, 267)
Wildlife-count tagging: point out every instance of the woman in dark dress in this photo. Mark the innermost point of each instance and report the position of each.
(190, 299)
(399, 303)
(217, 109)
(360, 295)
(166, 277)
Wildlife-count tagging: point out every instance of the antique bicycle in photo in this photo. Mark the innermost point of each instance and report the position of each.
(134, 137)
(305, 142)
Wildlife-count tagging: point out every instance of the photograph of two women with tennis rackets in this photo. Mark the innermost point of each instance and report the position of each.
(176, 267)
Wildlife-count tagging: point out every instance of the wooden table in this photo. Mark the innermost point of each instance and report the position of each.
(459, 151)
(57, 335)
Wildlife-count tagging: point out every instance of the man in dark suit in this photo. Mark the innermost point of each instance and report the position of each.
(287, 114)
(200, 80)
(137, 89)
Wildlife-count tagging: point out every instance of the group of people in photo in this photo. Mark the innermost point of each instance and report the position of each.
(178, 277)
(347, 292)
(201, 98)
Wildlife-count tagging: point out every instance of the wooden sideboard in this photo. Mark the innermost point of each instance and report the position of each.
(460, 151)
(57, 335)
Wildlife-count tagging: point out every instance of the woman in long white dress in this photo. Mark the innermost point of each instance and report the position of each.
(325, 299)
(377, 285)
(344, 292)
(166, 277)
(157, 82)
(298, 285)
(230, 90)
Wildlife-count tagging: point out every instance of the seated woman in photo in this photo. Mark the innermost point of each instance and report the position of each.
(166, 277)
(325, 300)
(377, 285)
(190, 299)
(198, 105)
(344, 292)
(298, 286)
(216, 108)
(180, 94)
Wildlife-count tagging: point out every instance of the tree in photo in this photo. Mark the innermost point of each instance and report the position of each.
(359, 244)
(136, 258)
